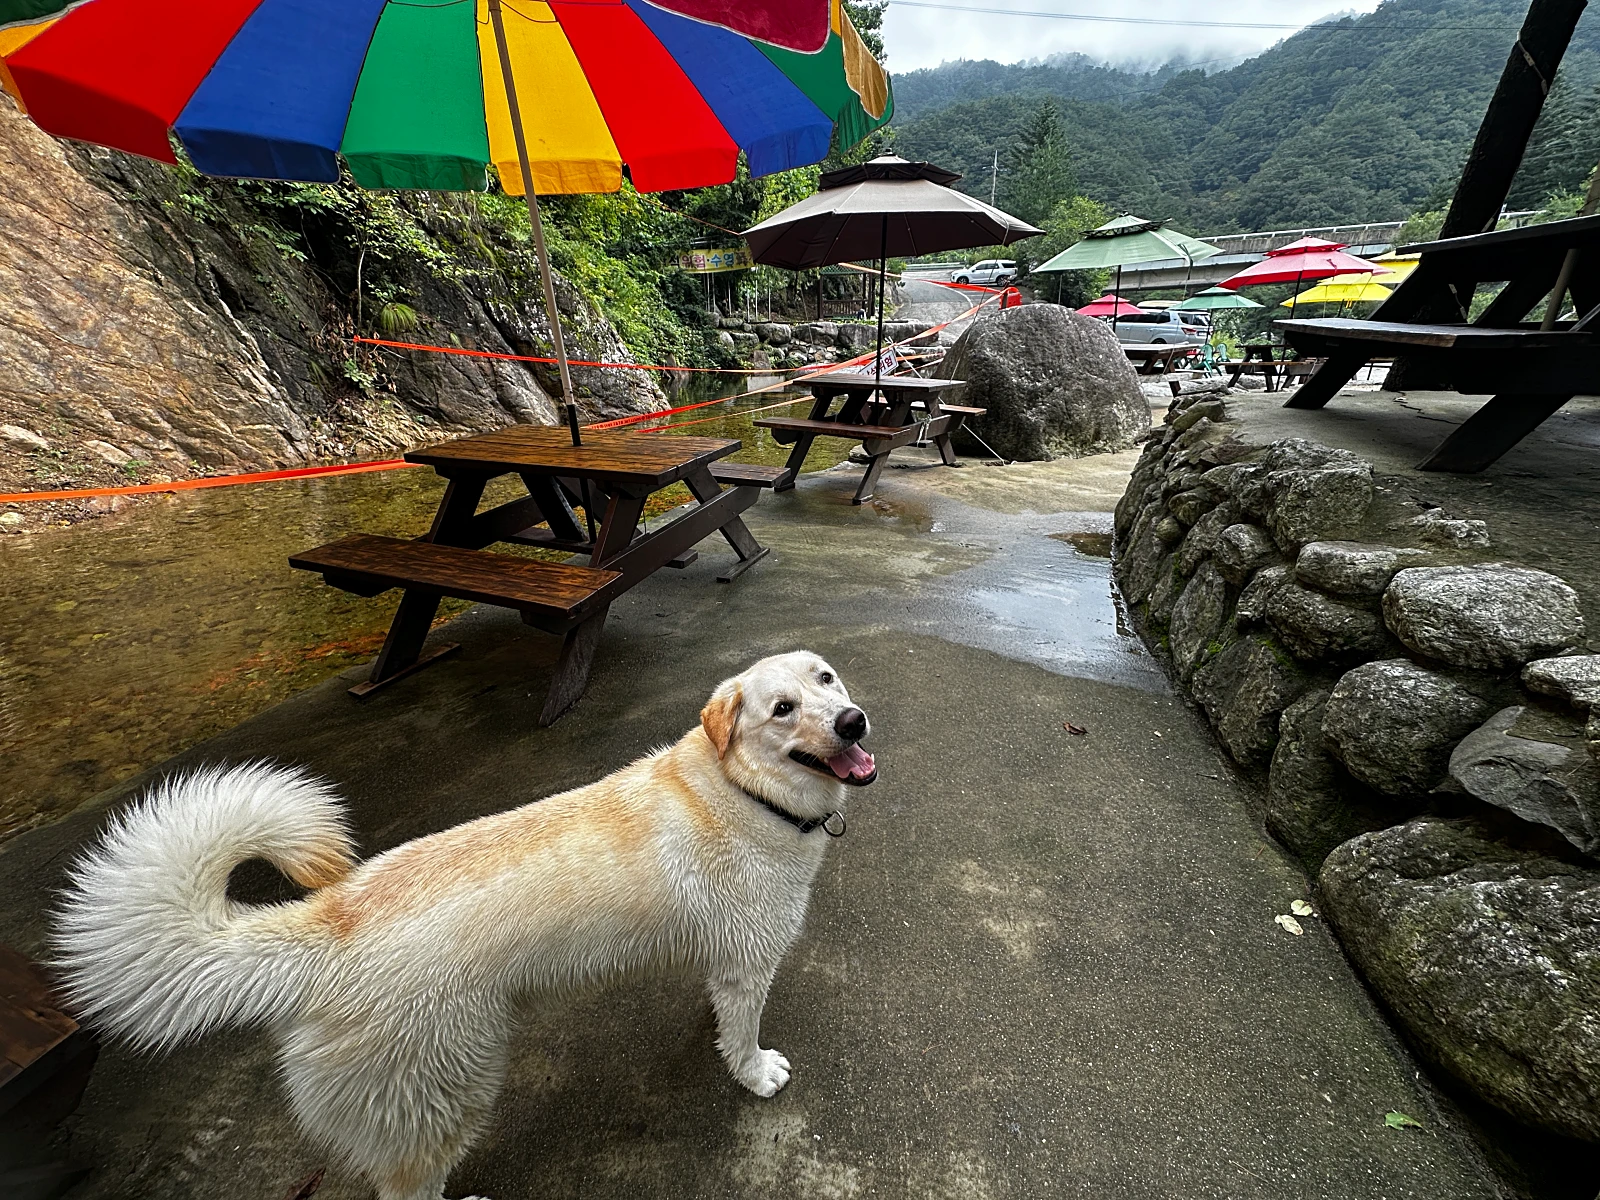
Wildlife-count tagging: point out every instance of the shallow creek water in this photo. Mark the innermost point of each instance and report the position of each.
(127, 638)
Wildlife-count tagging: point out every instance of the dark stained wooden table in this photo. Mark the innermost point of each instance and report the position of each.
(875, 413)
(611, 475)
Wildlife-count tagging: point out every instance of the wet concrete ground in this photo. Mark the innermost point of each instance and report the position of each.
(1038, 964)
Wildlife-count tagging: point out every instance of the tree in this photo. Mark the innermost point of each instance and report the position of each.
(1040, 175)
(1064, 226)
(867, 17)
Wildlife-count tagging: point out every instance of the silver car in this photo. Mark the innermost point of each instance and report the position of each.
(991, 272)
(1166, 327)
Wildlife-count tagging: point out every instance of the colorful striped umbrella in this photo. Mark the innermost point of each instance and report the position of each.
(429, 94)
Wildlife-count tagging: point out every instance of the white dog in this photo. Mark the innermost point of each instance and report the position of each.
(392, 987)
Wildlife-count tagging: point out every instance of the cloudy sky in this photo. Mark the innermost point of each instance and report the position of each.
(925, 37)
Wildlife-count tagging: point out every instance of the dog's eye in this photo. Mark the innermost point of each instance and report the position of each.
(826, 677)
(782, 708)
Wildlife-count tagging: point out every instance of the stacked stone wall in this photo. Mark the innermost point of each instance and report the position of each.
(1424, 714)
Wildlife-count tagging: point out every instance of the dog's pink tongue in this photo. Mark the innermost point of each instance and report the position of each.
(854, 761)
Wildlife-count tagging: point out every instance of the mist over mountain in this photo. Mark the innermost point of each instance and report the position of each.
(1358, 118)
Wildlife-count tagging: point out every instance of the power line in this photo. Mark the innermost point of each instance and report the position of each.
(1184, 22)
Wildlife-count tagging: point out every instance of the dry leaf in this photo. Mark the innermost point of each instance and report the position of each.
(1289, 923)
(1076, 730)
(1301, 909)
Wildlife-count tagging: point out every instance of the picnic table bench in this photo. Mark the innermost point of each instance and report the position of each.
(1530, 368)
(881, 425)
(1151, 359)
(611, 473)
(45, 1062)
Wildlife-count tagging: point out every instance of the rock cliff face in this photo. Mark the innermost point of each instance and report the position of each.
(159, 324)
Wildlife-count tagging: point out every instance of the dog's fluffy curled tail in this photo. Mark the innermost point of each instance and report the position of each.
(149, 946)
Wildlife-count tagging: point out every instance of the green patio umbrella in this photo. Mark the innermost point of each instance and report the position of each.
(1125, 242)
(1215, 298)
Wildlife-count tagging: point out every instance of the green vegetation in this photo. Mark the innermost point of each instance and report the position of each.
(1360, 119)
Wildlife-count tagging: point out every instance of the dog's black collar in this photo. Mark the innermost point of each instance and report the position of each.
(803, 824)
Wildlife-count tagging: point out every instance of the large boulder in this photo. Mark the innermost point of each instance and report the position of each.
(1488, 955)
(1492, 617)
(1055, 384)
(1533, 764)
(1197, 618)
(1393, 724)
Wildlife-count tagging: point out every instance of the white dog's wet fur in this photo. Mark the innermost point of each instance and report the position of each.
(394, 985)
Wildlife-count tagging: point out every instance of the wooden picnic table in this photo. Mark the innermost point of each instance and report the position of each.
(1150, 359)
(875, 413)
(612, 474)
(1515, 349)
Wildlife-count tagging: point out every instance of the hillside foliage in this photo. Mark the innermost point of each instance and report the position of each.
(1365, 118)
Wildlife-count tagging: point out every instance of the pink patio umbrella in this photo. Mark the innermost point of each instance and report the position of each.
(1110, 305)
(1307, 259)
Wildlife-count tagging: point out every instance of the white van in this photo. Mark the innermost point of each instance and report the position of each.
(1166, 327)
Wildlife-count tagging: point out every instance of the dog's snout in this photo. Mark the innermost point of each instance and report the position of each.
(851, 725)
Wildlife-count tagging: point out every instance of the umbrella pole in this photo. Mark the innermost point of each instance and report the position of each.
(532, 198)
(883, 268)
(1116, 300)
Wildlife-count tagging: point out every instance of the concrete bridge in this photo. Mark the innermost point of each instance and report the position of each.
(1239, 250)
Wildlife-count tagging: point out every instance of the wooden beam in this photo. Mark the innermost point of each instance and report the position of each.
(1497, 151)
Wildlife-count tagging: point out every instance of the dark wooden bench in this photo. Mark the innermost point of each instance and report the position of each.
(786, 430)
(554, 597)
(45, 1062)
(1530, 367)
(747, 474)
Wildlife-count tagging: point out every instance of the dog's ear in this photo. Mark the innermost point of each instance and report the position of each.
(720, 715)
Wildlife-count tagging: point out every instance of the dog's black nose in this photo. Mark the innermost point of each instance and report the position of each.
(851, 724)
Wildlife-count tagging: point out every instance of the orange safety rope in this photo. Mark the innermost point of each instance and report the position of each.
(574, 362)
(211, 481)
(395, 464)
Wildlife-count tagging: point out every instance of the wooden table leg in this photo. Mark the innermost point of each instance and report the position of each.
(1337, 370)
(402, 648)
(1491, 431)
(869, 481)
(572, 668)
(579, 644)
(737, 533)
(797, 459)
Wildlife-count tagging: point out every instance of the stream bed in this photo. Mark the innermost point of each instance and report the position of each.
(127, 638)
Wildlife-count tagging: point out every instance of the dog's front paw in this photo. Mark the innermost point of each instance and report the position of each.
(767, 1074)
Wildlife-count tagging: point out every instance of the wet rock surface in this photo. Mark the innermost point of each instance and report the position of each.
(1313, 804)
(1538, 769)
(1393, 724)
(1488, 955)
(1055, 384)
(1351, 568)
(1244, 688)
(1492, 617)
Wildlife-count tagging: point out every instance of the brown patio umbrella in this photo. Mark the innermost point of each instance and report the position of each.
(884, 207)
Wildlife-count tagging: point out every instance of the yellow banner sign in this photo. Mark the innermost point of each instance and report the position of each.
(704, 262)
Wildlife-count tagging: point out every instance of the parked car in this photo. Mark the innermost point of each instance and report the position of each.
(991, 272)
(1166, 327)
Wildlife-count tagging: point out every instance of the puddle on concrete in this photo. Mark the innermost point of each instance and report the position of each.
(1090, 545)
(129, 638)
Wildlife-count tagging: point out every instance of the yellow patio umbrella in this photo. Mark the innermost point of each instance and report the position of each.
(1341, 289)
(1398, 265)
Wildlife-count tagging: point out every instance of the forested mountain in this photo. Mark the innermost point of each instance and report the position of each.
(1366, 118)
(1070, 76)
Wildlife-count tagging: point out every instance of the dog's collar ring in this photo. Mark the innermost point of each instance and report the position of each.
(827, 824)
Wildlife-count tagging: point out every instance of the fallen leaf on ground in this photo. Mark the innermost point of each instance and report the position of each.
(1399, 1120)
(1289, 923)
(1301, 909)
(1078, 730)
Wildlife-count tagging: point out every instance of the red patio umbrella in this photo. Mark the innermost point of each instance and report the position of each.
(1110, 305)
(1309, 258)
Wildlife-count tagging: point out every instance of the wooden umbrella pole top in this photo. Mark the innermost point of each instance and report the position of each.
(529, 194)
